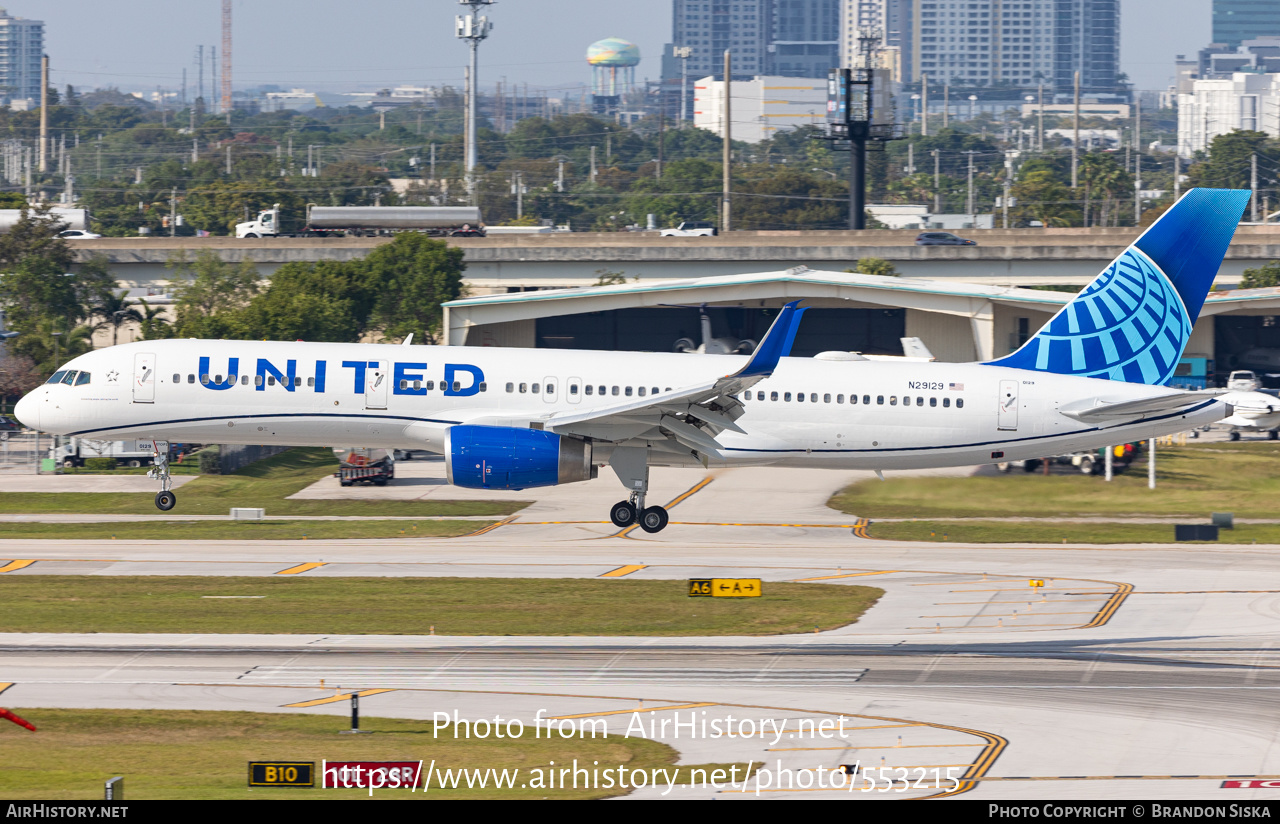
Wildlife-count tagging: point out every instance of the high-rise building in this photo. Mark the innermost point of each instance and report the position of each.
(1018, 43)
(881, 26)
(710, 27)
(804, 38)
(21, 48)
(1237, 20)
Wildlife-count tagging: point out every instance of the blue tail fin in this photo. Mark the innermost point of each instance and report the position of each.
(1132, 323)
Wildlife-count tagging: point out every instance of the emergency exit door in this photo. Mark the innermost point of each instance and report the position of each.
(1008, 415)
(376, 382)
(144, 378)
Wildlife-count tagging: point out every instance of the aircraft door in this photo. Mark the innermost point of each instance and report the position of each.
(549, 387)
(375, 386)
(573, 390)
(1008, 415)
(144, 378)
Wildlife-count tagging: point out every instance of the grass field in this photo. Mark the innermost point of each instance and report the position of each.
(171, 754)
(1003, 532)
(1243, 478)
(411, 606)
(266, 484)
(179, 530)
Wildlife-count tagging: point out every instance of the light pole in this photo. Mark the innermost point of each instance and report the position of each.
(973, 98)
(683, 53)
(1030, 99)
(915, 107)
(473, 29)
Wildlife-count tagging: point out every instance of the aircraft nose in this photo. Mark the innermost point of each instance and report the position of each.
(27, 411)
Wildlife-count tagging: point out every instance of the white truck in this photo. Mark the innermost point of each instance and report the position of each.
(74, 218)
(363, 465)
(126, 453)
(691, 228)
(370, 221)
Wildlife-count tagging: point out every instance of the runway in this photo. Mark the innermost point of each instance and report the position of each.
(1144, 671)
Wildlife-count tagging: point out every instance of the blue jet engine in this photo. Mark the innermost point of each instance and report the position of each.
(504, 457)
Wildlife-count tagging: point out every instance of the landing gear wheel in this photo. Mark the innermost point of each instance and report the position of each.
(654, 519)
(1272, 435)
(166, 501)
(1234, 436)
(623, 514)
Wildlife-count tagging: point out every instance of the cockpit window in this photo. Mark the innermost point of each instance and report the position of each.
(82, 378)
(57, 377)
(70, 378)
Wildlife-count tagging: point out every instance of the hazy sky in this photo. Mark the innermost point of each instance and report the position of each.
(139, 44)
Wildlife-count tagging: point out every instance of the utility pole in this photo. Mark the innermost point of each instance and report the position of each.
(433, 161)
(924, 104)
(946, 102)
(969, 198)
(725, 218)
(1075, 140)
(1137, 188)
(662, 139)
(683, 53)
(1008, 182)
(226, 59)
(44, 114)
(593, 164)
(473, 29)
(173, 212)
(1253, 187)
(517, 184)
(937, 183)
(228, 161)
(560, 175)
(1177, 176)
(1040, 136)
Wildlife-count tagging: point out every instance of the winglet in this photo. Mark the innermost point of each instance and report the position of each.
(776, 344)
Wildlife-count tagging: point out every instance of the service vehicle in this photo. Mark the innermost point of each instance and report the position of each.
(75, 451)
(691, 228)
(370, 221)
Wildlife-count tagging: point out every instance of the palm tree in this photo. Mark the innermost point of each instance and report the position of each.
(154, 325)
(115, 312)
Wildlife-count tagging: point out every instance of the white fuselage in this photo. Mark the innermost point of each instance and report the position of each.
(905, 414)
(1253, 410)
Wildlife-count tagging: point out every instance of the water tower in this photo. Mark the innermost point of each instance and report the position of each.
(613, 72)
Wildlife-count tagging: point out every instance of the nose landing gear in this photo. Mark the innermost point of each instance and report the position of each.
(165, 499)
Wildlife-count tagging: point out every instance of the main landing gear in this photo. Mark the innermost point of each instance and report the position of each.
(165, 499)
(631, 463)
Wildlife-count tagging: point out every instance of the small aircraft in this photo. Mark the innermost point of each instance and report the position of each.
(508, 418)
(1254, 412)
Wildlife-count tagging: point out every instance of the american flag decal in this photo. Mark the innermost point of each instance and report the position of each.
(956, 386)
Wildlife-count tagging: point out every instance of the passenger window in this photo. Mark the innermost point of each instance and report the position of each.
(786, 396)
(204, 379)
(404, 384)
(640, 391)
(416, 385)
(813, 397)
(257, 380)
(511, 387)
(826, 398)
(551, 388)
(217, 379)
(867, 399)
(534, 389)
(880, 400)
(271, 380)
(82, 378)
(959, 403)
(839, 398)
(773, 396)
(946, 403)
(933, 401)
(431, 384)
(573, 389)
(588, 389)
(484, 387)
(177, 378)
(602, 390)
(853, 399)
(627, 391)
(655, 390)
(457, 386)
(297, 382)
(799, 397)
(920, 401)
(615, 390)
(312, 382)
(57, 377)
(893, 400)
(244, 380)
(524, 387)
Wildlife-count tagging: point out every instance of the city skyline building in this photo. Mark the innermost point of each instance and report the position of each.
(21, 49)
(804, 38)
(1235, 21)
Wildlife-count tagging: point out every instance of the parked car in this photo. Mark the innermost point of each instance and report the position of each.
(9, 425)
(691, 228)
(942, 239)
(78, 234)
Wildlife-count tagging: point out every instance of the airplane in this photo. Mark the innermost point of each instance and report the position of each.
(1255, 411)
(506, 418)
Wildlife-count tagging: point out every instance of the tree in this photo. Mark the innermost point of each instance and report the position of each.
(1229, 161)
(323, 301)
(115, 311)
(1262, 276)
(210, 304)
(876, 266)
(153, 325)
(1041, 197)
(412, 278)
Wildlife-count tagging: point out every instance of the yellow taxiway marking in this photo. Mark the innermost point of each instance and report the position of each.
(335, 698)
(4, 685)
(623, 570)
(1111, 606)
(15, 565)
(300, 568)
(860, 528)
(628, 712)
(490, 527)
(846, 575)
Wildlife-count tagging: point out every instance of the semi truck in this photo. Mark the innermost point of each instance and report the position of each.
(74, 218)
(126, 453)
(363, 465)
(370, 221)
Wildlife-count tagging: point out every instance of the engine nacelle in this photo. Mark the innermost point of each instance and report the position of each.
(504, 457)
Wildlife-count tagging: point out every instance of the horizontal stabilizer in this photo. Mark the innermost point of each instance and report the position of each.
(1101, 410)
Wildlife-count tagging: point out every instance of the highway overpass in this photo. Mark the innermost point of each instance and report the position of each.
(1022, 257)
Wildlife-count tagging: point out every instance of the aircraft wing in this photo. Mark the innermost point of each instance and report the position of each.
(1101, 410)
(691, 416)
